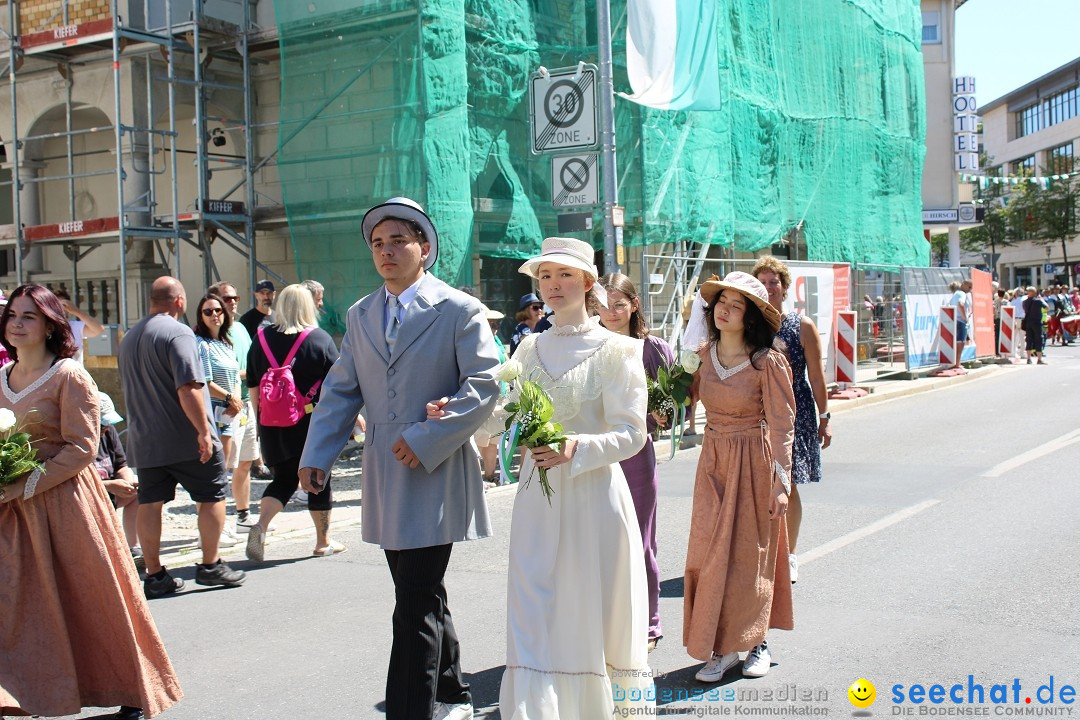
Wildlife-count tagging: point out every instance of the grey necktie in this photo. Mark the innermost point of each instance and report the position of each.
(393, 322)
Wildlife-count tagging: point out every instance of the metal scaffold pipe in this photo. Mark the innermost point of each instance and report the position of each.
(612, 235)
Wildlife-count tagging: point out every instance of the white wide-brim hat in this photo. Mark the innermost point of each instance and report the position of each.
(562, 251)
(571, 253)
(402, 208)
(749, 286)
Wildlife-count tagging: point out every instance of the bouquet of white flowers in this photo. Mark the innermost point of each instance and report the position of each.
(17, 454)
(669, 394)
(528, 423)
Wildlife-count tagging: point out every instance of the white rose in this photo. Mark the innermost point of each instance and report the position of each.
(690, 361)
(509, 370)
(7, 420)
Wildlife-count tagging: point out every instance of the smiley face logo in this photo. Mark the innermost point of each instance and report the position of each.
(862, 693)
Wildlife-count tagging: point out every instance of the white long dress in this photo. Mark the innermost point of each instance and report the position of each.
(577, 597)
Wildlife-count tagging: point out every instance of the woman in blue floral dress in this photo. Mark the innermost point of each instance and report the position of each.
(812, 432)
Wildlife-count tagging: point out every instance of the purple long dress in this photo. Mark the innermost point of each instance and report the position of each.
(643, 480)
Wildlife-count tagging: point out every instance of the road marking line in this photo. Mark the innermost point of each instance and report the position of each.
(855, 535)
(1033, 454)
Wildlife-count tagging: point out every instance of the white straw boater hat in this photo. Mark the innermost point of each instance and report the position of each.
(569, 252)
(402, 208)
(749, 286)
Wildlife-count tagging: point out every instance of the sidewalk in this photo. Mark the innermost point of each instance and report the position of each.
(180, 531)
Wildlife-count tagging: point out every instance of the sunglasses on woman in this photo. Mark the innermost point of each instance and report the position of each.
(207, 312)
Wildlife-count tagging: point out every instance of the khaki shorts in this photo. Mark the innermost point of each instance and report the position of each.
(245, 444)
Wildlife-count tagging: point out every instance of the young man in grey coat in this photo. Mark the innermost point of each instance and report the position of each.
(412, 341)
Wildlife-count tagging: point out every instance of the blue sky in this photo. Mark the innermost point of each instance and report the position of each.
(1009, 43)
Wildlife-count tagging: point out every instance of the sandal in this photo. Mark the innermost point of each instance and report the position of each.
(332, 549)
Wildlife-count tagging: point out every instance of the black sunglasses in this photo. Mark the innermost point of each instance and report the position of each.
(207, 312)
(537, 307)
(230, 298)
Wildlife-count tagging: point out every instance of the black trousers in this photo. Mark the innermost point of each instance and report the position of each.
(425, 662)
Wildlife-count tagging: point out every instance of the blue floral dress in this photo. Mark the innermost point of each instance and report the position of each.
(806, 452)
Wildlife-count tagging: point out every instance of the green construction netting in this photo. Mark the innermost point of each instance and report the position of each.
(821, 132)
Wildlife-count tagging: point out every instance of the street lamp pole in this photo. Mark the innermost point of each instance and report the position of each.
(612, 235)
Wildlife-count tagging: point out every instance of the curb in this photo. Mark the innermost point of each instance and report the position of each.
(922, 386)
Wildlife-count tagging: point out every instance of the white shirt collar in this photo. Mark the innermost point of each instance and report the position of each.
(408, 294)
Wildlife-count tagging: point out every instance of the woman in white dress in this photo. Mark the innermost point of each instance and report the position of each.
(577, 596)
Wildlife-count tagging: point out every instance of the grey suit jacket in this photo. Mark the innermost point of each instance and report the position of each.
(444, 349)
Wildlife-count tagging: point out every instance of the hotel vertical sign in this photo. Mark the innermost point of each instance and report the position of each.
(965, 120)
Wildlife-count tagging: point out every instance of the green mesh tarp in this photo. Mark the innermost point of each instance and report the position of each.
(821, 129)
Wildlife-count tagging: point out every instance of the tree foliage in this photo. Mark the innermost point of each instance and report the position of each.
(1048, 215)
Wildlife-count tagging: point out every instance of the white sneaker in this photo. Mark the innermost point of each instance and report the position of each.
(228, 539)
(758, 661)
(793, 567)
(245, 522)
(461, 711)
(716, 667)
(299, 497)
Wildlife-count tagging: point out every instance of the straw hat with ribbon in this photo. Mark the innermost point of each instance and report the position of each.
(749, 286)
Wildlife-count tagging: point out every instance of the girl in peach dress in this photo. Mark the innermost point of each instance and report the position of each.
(737, 584)
(75, 630)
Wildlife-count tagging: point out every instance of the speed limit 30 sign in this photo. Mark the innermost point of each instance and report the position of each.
(562, 109)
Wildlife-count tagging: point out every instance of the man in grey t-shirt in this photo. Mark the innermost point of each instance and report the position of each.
(170, 436)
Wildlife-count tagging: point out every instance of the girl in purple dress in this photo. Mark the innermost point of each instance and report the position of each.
(623, 315)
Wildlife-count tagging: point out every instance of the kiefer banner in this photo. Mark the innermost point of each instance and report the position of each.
(982, 326)
(671, 54)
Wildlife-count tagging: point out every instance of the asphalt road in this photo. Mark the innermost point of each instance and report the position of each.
(942, 543)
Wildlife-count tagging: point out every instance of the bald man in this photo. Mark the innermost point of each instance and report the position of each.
(171, 438)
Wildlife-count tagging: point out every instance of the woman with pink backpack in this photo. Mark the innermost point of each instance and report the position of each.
(286, 366)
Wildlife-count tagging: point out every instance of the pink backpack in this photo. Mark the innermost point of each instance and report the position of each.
(280, 403)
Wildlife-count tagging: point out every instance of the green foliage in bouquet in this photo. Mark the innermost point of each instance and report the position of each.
(17, 454)
(529, 423)
(670, 390)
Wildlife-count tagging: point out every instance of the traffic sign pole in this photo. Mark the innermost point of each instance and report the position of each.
(606, 99)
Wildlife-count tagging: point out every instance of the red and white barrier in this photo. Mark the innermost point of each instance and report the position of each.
(1007, 332)
(947, 336)
(845, 347)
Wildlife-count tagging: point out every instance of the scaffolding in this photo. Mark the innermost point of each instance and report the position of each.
(169, 49)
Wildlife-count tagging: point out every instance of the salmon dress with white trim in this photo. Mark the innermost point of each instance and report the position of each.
(75, 628)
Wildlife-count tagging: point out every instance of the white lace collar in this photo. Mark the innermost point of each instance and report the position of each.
(723, 372)
(15, 397)
(590, 324)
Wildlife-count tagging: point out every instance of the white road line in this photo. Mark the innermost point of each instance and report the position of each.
(855, 535)
(1033, 454)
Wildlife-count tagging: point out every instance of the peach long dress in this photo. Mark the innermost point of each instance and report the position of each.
(75, 629)
(737, 582)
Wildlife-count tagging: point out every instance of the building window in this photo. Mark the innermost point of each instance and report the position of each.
(931, 27)
(993, 189)
(1049, 111)
(1025, 167)
(1061, 159)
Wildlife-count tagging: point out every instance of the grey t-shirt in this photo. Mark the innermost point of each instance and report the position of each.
(157, 357)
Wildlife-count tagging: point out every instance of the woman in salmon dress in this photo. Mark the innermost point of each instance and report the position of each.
(75, 629)
(737, 584)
